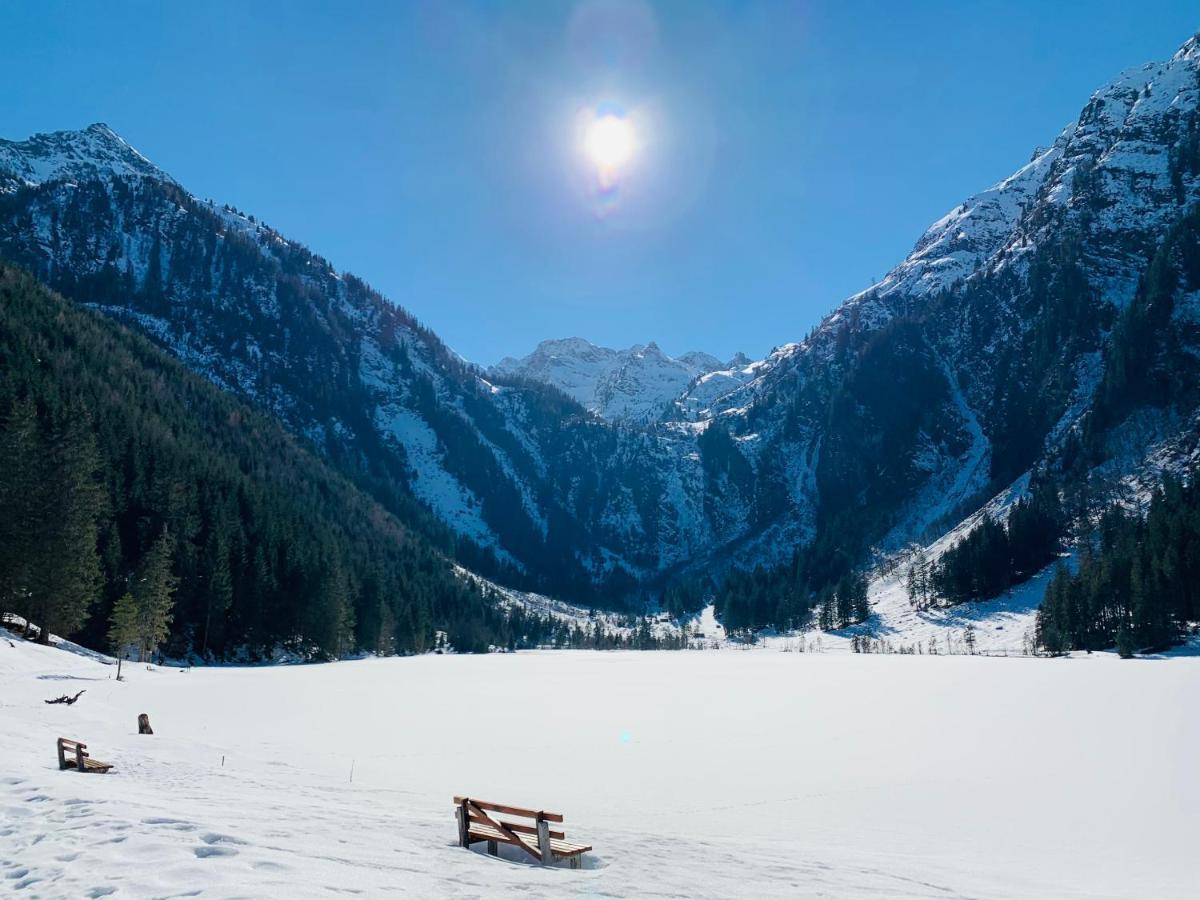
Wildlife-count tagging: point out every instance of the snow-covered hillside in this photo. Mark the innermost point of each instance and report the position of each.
(638, 384)
(693, 775)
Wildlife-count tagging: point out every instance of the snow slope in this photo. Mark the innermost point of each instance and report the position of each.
(695, 775)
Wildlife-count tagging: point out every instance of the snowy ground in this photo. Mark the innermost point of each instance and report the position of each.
(694, 774)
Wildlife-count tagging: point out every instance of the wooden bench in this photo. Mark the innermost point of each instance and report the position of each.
(534, 836)
(74, 755)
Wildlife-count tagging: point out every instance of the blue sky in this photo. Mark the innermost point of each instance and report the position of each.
(788, 152)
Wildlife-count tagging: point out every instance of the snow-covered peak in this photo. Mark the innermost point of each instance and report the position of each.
(95, 151)
(1120, 147)
(568, 363)
(633, 384)
(705, 362)
(1189, 51)
(958, 243)
(1115, 123)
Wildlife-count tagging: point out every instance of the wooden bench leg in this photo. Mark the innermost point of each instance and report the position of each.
(463, 826)
(543, 831)
(493, 848)
(577, 861)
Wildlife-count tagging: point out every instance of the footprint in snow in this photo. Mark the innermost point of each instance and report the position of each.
(213, 838)
(206, 852)
(176, 824)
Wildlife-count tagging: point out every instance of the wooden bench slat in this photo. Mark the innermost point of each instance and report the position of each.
(559, 846)
(511, 810)
(516, 826)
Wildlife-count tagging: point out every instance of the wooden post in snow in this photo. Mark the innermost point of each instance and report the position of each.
(543, 830)
(464, 824)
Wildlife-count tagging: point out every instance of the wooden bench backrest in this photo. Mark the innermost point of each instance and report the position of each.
(534, 814)
(516, 826)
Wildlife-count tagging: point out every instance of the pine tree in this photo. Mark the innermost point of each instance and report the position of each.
(862, 606)
(331, 619)
(21, 509)
(68, 576)
(154, 595)
(219, 596)
(1125, 646)
(124, 632)
(50, 503)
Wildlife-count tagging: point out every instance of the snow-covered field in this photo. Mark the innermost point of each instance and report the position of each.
(694, 774)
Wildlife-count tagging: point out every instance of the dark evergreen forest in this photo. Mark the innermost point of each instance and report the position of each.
(1138, 583)
(112, 449)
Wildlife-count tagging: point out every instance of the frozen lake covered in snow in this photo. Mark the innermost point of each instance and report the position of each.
(693, 774)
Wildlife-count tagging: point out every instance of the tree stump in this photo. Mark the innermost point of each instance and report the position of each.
(144, 724)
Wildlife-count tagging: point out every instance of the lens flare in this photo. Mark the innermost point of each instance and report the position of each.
(610, 141)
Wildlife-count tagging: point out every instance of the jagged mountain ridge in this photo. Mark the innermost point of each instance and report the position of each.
(637, 385)
(969, 363)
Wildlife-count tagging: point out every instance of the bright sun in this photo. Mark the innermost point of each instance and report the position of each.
(609, 141)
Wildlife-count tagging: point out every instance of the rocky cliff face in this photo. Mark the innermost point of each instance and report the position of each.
(978, 357)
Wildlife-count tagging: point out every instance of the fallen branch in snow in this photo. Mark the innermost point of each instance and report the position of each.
(65, 699)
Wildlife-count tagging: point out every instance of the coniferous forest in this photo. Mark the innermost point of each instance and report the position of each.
(993, 556)
(1138, 581)
(141, 507)
(113, 447)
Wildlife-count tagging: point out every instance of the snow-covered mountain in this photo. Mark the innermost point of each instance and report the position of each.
(95, 152)
(1025, 329)
(638, 384)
